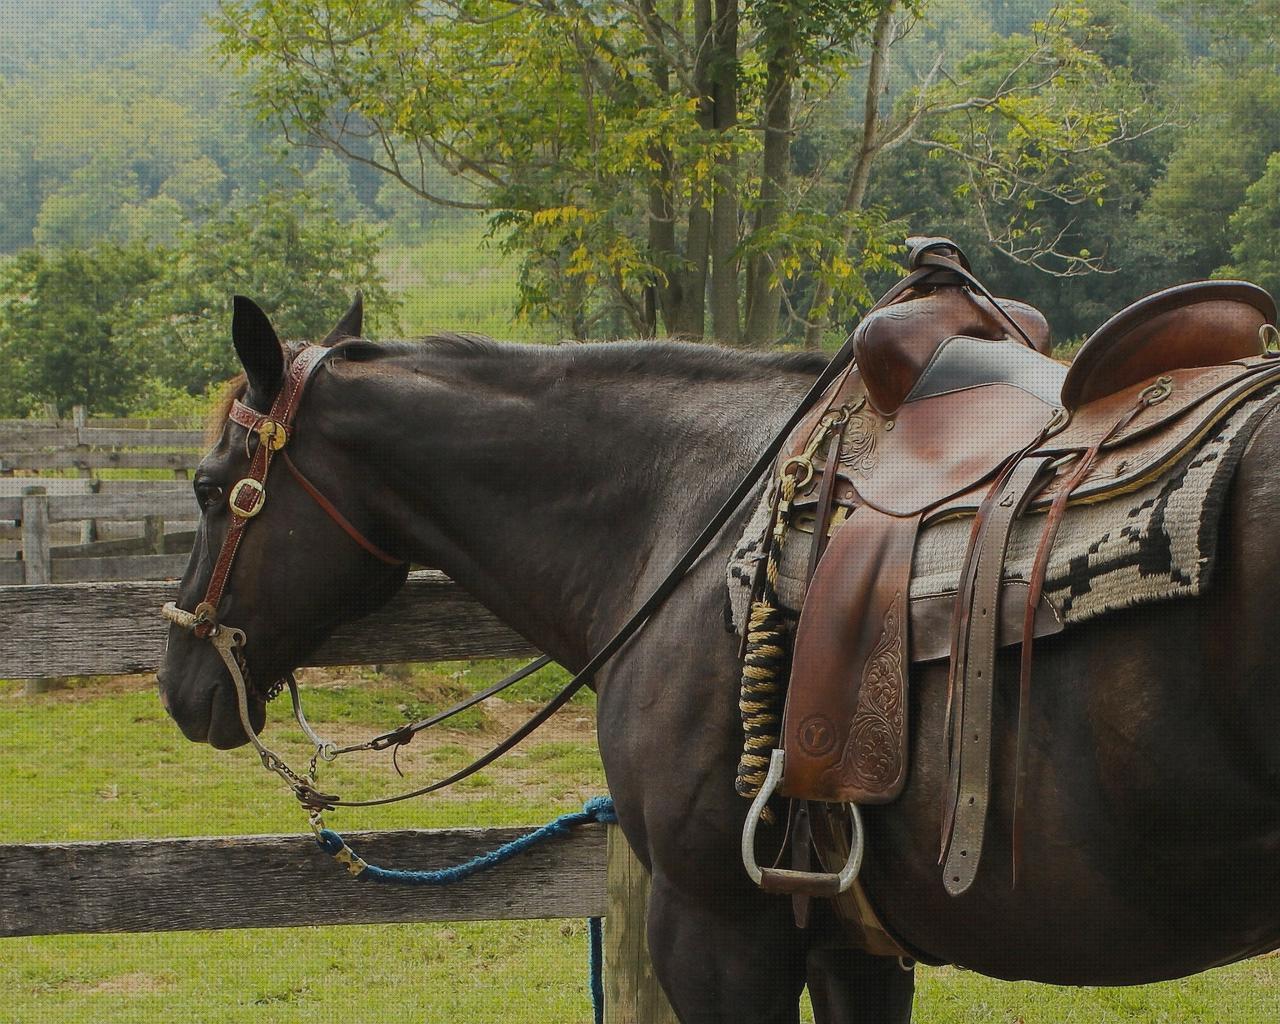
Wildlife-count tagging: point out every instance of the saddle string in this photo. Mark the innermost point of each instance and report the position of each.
(1039, 570)
(938, 261)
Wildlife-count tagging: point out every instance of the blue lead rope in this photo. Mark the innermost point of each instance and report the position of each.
(598, 808)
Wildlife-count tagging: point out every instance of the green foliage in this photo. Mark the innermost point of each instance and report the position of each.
(114, 326)
(63, 328)
(97, 130)
(329, 180)
(626, 152)
(1256, 228)
(1190, 209)
(288, 252)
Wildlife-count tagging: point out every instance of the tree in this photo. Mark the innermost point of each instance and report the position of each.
(1256, 227)
(64, 328)
(641, 155)
(935, 195)
(1189, 211)
(285, 250)
(329, 180)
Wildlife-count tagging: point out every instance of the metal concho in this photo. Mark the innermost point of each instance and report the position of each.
(247, 498)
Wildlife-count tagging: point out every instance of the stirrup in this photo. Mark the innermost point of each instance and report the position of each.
(787, 880)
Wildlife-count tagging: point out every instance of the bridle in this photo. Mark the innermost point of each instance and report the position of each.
(247, 498)
(245, 501)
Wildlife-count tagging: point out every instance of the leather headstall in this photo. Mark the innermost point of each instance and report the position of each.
(248, 496)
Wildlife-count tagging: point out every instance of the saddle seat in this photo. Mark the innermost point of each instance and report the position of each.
(906, 349)
(954, 407)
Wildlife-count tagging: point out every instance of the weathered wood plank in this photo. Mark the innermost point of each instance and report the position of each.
(168, 498)
(37, 563)
(36, 560)
(35, 423)
(10, 573)
(186, 423)
(632, 994)
(55, 486)
(147, 885)
(115, 628)
(119, 567)
(173, 503)
(149, 544)
(133, 437)
(36, 435)
(98, 459)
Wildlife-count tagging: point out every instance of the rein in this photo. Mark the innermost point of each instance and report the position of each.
(248, 496)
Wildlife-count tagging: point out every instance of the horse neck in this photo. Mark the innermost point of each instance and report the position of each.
(550, 483)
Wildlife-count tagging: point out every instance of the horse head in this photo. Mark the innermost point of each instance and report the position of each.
(270, 557)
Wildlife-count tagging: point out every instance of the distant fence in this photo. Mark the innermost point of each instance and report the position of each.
(285, 881)
(87, 447)
(86, 444)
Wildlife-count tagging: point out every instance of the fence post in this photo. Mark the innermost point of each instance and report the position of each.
(88, 527)
(153, 535)
(632, 994)
(37, 561)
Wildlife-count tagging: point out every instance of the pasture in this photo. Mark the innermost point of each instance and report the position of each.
(100, 759)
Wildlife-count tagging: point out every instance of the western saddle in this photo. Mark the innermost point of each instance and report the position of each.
(953, 406)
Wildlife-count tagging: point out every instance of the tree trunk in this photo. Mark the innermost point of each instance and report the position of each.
(725, 324)
(764, 295)
(698, 241)
(665, 297)
(819, 313)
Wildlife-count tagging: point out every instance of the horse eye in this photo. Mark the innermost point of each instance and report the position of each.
(207, 494)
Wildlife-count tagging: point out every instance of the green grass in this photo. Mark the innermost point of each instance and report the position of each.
(455, 279)
(101, 760)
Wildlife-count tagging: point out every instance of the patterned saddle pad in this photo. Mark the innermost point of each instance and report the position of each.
(1154, 543)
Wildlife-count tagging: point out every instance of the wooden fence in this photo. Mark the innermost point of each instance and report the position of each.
(87, 444)
(87, 447)
(285, 881)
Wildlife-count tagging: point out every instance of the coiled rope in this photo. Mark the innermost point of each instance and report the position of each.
(766, 663)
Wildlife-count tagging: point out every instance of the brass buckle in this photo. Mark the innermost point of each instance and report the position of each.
(254, 491)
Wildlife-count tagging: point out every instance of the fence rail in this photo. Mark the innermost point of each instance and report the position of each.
(89, 444)
(115, 628)
(149, 885)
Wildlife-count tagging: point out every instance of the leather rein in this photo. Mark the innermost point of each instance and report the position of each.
(247, 498)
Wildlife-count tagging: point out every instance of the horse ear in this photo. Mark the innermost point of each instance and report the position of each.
(351, 324)
(257, 345)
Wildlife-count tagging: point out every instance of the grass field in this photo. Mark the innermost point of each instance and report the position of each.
(101, 760)
(455, 279)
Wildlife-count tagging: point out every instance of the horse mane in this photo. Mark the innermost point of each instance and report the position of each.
(694, 361)
(233, 389)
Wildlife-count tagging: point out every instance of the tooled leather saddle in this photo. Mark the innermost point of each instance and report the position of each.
(953, 407)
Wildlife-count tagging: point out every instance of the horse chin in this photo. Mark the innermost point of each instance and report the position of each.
(211, 715)
(225, 730)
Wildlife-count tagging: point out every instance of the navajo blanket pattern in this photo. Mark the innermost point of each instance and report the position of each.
(1152, 544)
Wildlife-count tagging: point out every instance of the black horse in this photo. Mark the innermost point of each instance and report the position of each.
(558, 484)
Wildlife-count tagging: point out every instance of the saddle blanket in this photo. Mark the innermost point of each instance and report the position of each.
(1151, 544)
